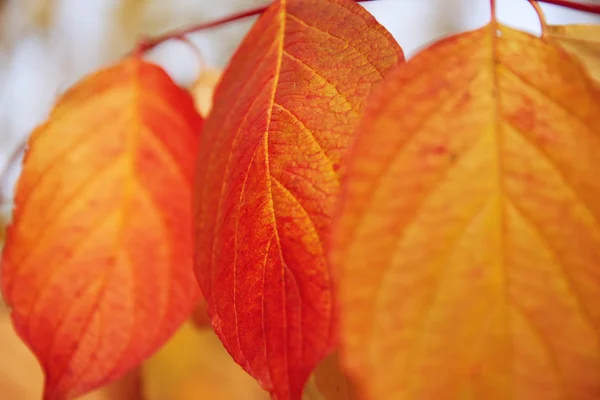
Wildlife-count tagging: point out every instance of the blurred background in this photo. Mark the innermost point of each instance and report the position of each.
(47, 45)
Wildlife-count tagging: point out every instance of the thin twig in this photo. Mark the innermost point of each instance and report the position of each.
(179, 34)
(146, 45)
(149, 44)
(574, 5)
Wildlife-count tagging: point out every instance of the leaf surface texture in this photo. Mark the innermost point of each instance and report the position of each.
(581, 41)
(97, 265)
(271, 155)
(468, 241)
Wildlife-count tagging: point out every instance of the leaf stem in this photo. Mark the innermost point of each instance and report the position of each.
(574, 5)
(541, 16)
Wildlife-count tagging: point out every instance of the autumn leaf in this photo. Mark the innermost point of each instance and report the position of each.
(22, 379)
(582, 42)
(329, 382)
(3, 223)
(202, 92)
(468, 241)
(269, 167)
(203, 89)
(97, 266)
(194, 365)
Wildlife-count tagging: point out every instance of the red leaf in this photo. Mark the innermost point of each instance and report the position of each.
(97, 265)
(269, 169)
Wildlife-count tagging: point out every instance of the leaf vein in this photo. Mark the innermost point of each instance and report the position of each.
(310, 133)
(24, 202)
(434, 297)
(306, 24)
(545, 344)
(560, 106)
(281, 16)
(561, 175)
(402, 145)
(39, 239)
(400, 235)
(235, 261)
(554, 253)
(327, 82)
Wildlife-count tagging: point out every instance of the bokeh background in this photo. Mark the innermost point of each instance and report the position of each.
(47, 45)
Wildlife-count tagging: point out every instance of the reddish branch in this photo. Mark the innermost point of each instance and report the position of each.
(591, 8)
(180, 34)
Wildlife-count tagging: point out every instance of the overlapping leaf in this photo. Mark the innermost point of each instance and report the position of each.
(468, 242)
(203, 90)
(97, 265)
(194, 365)
(21, 377)
(582, 42)
(269, 169)
(329, 382)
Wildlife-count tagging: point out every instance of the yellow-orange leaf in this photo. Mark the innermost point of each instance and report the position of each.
(468, 241)
(194, 365)
(203, 88)
(582, 42)
(97, 265)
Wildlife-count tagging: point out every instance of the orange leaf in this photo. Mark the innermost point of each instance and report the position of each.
(581, 41)
(468, 242)
(97, 265)
(21, 377)
(284, 113)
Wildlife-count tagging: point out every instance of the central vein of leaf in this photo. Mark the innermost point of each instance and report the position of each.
(503, 306)
(281, 16)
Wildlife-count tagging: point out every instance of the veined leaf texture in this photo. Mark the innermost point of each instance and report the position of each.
(97, 266)
(468, 241)
(270, 163)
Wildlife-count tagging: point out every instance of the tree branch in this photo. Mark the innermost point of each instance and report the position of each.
(150, 43)
(179, 34)
(574, 5)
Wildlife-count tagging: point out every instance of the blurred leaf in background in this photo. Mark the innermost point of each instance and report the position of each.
(21, 377)
(582, 42)
(328, 382)
(202, 90)
(193, 365)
